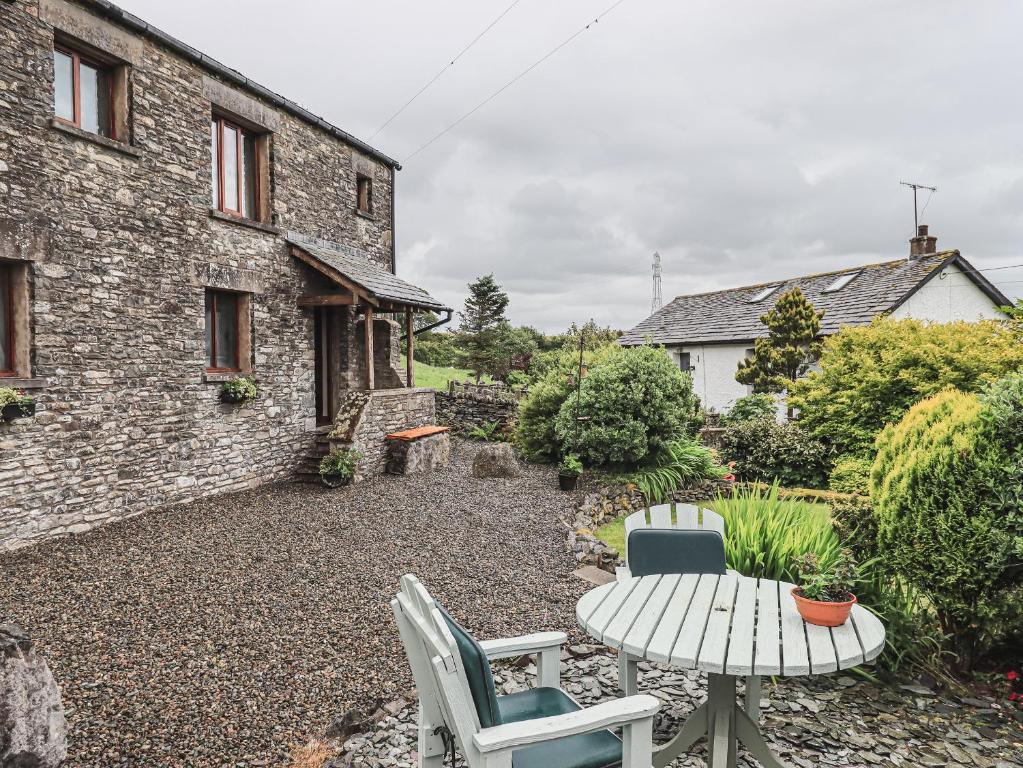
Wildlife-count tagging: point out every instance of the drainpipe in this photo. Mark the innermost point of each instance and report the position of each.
(431, 326)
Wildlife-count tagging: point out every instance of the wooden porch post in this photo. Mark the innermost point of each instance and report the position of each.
(370, 357)
(410, 373)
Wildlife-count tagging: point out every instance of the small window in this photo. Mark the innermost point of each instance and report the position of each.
(685, 361)
(764, 293)
(237, 185)
(223, 326)
(8, 365)
(83, 92)
(364, 186)
(842, 282)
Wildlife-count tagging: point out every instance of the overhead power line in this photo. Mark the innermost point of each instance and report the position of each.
(445, 68)
(514, 80)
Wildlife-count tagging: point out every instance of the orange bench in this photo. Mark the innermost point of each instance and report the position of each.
(409, 435)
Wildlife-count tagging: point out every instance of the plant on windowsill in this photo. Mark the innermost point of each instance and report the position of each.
(15, 404)
(240, 389)
(338, 467)
(825, 596)
(569, 471)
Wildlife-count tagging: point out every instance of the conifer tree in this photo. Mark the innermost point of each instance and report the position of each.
(484, 327)
(791, 346)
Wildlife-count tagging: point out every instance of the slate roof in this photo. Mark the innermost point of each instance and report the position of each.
(728, 316)
(356, 265)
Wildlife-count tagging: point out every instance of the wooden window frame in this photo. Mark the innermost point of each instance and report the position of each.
(257, 171)
(361, 179)
(241, 306)
(12, 333)
(77, 59)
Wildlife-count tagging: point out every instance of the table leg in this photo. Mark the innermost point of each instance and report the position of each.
(721, 698)
(749, 734)
(694, 729)
(628, 674)
(753, 697)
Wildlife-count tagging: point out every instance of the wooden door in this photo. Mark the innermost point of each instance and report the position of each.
(326, 346)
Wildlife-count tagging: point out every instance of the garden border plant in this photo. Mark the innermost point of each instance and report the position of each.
(339, 467)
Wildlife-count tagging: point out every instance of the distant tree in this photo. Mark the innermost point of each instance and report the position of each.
(484, 327)
(790, 349)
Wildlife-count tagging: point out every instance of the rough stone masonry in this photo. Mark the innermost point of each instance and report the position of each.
(117, 243)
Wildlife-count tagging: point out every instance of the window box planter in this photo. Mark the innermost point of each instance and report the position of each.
(13, 411)
(238, 390)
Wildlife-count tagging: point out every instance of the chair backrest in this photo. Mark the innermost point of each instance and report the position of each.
(686, 517)
(437, 665)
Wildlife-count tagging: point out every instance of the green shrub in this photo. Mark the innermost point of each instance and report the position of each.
(680, 464)
(766, 451)
(1003, 412)
(764, 534)
(238, 390)
(487, 432)
(870, 376)
(750, 408)
(630, 408)
(343, 462)
(570, 466)
(853, 518)
(938, 525)
(850, 474)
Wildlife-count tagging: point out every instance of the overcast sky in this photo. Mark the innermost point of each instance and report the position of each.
(744, 141)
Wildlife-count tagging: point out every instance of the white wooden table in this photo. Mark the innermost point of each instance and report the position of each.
(727, 626)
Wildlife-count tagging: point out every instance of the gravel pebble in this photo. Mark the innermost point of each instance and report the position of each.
(224, 632)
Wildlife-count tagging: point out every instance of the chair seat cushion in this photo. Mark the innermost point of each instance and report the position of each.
(600, 749)
(669, 550)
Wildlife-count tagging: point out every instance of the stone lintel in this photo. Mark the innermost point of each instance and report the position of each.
(240, 105)
(77, 22)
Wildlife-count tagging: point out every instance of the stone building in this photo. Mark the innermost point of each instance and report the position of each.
(165, 225)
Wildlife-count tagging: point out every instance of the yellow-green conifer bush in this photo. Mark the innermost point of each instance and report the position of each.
(938, 522)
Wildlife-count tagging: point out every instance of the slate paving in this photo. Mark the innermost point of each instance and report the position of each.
(833, 720)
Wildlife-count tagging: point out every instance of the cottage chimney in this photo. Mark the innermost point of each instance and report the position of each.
(923, 243)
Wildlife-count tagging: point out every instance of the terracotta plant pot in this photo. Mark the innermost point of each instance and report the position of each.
(820, 613)
(567, 482)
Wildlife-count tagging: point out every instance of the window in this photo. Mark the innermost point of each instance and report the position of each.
(364, 188)
(685, 361)
(842, 282)
(236, 176)
(7, 341)
(223, 326)
(83, 92)
(764, 293)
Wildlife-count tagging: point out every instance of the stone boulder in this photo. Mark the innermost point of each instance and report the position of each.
(496, 460)
(33, 731)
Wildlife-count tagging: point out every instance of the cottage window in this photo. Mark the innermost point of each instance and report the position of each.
(364, 188)
(7, 326)
(238, 184)
(223, 330)
(90, 92)
(685, 361)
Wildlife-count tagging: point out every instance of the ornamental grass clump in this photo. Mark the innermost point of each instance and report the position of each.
(764, 534)
(682, 463)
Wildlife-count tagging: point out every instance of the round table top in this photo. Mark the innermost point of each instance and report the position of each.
(730, 624)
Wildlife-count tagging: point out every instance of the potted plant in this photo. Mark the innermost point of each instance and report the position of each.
(14, 404)
(569, 471)
(238, 390)
(825, 595)
(338, 467)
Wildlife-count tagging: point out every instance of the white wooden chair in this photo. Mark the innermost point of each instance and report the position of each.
(539, 728)
(684, 517)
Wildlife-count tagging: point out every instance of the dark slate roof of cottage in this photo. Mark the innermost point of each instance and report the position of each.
(356, 265)
(134, 23)
(730, 316)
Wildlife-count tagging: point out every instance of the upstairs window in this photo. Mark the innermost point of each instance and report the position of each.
(237, 187)
(83, 92)
(364, 194)
(222, 331)
(7, 340)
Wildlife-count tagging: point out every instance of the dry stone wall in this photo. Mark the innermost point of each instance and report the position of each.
(120, 245)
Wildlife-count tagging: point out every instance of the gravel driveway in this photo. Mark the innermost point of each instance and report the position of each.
(224, 632)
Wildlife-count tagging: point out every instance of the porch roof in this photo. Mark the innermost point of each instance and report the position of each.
(352, 269)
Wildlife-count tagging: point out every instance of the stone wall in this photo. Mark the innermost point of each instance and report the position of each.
(366, 418)
(120, 244)
(465, 406)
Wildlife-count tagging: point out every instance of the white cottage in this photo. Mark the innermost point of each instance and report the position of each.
(708, 334)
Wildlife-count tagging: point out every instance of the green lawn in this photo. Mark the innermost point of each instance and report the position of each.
(438, 378)
(613, 533)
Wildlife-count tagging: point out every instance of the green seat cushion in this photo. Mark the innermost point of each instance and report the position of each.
(601, 749)
(477, 672)
(668, 550)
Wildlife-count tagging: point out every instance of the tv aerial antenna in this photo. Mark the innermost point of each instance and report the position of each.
(657, 301)
(916, 211)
